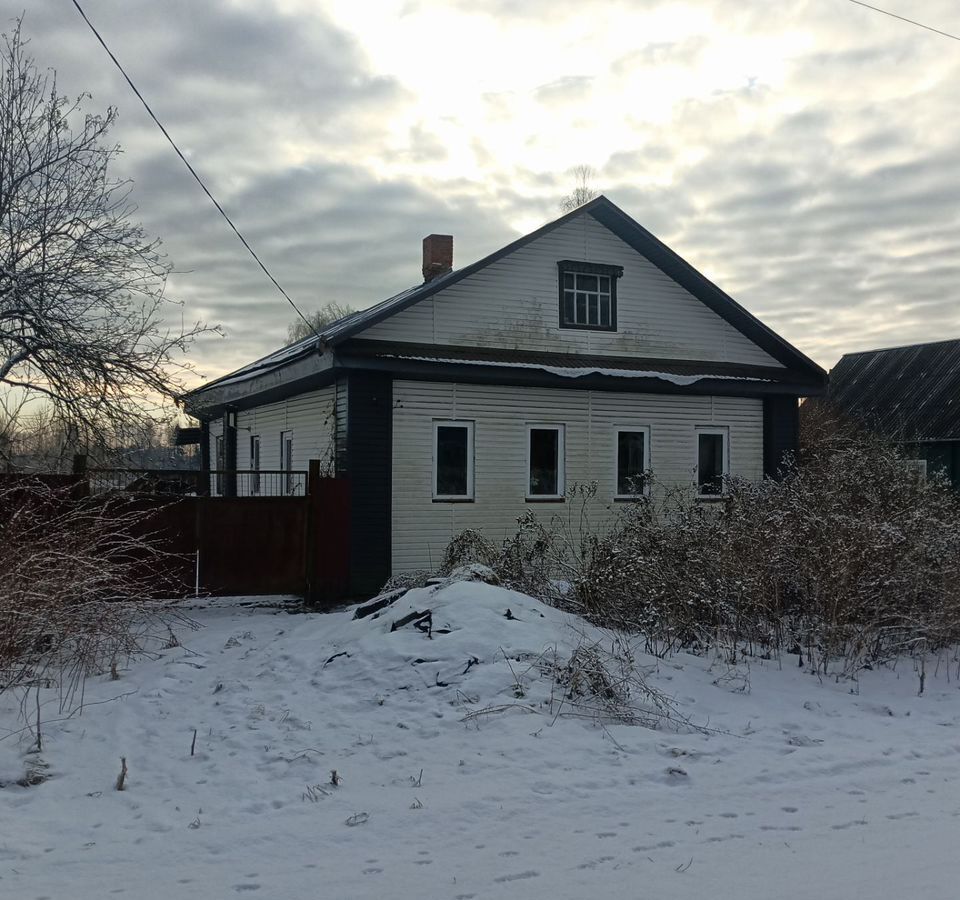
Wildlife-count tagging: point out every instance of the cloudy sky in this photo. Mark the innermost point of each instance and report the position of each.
(803, 154)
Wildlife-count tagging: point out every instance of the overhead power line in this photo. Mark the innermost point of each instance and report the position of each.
(193, 171)
(905, 19)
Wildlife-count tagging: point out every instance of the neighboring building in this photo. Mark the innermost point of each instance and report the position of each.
(585, 351)
(910, 395)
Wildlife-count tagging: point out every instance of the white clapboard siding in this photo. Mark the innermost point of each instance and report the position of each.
(309, 416)
(422, 528)
(514, 303)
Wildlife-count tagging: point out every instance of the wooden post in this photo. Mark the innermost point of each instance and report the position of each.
(81, 482)
(311, 585)
(203, 484)
(230, 453)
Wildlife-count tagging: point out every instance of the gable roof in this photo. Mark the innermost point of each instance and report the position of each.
(909, 393)
(608, 214)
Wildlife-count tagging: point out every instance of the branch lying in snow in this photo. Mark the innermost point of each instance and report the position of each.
(503, 707)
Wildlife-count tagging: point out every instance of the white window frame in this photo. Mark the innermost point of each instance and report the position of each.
(469, 426)
(632, 429)
(916, 465)
(255, 464)
(724, 432)
(561, 430)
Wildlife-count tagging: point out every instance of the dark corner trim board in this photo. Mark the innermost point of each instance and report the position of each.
(370, 459)
(781, 432)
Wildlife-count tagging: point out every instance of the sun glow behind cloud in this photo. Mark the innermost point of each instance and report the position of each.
(802, 154)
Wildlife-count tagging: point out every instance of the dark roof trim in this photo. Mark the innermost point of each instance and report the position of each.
(605, 212)
(444, 355)
(636, 236)
(282, 391)
(669, 262)
(471, 373)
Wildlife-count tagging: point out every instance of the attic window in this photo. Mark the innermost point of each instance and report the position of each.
(588, 295)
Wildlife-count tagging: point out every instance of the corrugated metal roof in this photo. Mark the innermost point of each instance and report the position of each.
(907, 393)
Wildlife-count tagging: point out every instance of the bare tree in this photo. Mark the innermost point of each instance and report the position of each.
(84, 322)
(318, 320)
(583, 191)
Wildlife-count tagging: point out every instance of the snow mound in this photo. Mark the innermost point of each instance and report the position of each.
(455, 777)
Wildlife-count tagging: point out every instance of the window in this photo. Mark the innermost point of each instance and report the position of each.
(254, 463)
(917, 468)
(633, 461)
(712, 461)
(545, 462)
(588, 295)
(453, 460)
(218, 463)
(286, 460)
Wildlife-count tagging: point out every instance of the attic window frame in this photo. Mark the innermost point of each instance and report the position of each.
(574, 267)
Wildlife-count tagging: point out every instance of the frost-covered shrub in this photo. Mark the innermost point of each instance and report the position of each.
(848, 558)
(73, 577)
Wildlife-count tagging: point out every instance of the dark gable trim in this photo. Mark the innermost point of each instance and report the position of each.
(665, 259)
(633, 234)
(370, 470)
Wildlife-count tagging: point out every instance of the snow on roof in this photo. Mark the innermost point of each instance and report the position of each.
(577, 371)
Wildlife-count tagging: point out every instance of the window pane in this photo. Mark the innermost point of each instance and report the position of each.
(630, 462)
(568, 313)
(581, 316)
(568, 281)
(604, 284)
(710, 464)
(544, 461)
(587, 282)
(452, 449)
(604, 310)
(593, 314)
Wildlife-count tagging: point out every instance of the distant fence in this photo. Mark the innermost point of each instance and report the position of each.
(254, 543)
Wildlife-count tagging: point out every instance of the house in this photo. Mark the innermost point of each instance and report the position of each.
(910, 395)
(584, 351)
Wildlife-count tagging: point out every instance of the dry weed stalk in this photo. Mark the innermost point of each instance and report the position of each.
(74, 573)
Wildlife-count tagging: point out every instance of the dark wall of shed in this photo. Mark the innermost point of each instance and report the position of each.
(781, 432)
(370, 464)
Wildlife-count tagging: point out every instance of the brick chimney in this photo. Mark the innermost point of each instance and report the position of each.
(437, 255)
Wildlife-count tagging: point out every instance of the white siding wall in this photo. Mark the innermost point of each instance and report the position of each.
(422, 528)
(514, 303)
(310, 417)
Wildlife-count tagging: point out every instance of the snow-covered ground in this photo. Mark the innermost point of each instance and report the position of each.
(800, 789)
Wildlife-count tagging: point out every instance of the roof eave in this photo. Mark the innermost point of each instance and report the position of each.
(297, 376)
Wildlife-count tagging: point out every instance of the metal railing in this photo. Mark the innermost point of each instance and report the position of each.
(214, 482)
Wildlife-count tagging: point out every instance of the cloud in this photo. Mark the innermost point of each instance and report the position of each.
(801, 154)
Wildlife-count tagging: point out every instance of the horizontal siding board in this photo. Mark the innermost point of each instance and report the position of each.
(513, 303)
(422, 528)
(310, 416)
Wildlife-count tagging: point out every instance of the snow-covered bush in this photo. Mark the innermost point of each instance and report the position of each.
(74, 573)
(848, 559)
